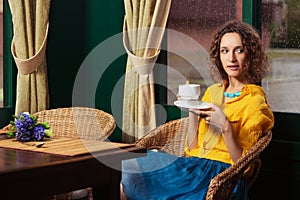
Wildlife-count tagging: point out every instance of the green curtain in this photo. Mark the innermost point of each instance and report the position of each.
(30, 30)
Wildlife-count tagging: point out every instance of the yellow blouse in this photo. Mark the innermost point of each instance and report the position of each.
(250, 116)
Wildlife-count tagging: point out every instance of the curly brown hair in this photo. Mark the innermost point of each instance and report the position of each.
(257, 60)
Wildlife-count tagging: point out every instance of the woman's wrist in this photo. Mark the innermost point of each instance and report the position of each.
(193, 116)
(227, 128)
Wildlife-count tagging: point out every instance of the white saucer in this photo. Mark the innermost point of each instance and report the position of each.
(191, 104)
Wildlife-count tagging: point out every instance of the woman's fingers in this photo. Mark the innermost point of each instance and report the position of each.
(213, 116)
(194, 111)
(207, 120)
(201, 113)
(205, 113)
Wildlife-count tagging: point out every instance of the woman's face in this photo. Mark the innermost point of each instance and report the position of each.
(232, 55)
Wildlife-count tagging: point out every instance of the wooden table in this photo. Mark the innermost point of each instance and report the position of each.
(33, 175)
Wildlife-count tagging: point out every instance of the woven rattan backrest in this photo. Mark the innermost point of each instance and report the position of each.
(176, 143)
(169, 137)
(79, 122)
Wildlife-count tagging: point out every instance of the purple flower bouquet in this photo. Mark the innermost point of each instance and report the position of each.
(26, 128)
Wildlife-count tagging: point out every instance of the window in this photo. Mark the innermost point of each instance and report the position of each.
(196, 20)
(281, 36)
(280, 33)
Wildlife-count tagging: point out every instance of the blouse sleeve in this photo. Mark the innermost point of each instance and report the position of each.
(259, 121)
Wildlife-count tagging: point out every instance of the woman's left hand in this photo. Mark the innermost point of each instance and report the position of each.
(215, 117)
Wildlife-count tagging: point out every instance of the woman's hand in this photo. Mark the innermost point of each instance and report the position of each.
(216, 118)
(213, 116)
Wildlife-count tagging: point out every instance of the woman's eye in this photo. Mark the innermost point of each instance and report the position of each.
(224, 50)
(240, 50)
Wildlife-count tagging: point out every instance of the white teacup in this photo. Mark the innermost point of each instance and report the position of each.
(189, 91)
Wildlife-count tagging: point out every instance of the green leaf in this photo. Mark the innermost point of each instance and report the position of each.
(44, 124)
(34, 118)
(10, 134)
(13, 128)
(48, 133)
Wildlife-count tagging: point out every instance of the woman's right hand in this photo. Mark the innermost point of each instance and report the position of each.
(213, 116)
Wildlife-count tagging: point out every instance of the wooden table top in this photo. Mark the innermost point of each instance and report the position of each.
(63, 146)
(32, 173)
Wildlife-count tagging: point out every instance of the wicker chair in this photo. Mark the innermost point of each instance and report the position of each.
(77, 122)
(170, 137)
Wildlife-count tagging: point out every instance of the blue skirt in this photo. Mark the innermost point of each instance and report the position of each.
(163, 176)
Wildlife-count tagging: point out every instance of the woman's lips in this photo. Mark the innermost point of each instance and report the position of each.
(233, 67)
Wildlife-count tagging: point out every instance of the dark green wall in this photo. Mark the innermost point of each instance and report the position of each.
(76, 28)
(9, 70)
(65, 48)
(280, 174)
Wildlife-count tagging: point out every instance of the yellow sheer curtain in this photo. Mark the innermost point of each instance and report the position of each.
(144, 25)
(30, 30)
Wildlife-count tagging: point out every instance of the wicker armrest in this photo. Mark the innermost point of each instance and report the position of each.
(169, 137)
(222, 185)
(159, 136)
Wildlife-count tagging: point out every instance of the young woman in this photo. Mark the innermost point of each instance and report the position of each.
(217, 137)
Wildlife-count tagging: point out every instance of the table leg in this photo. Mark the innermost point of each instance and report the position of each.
(114, 188)
(111, 191)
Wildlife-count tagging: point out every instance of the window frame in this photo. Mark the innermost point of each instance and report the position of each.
(252, 16)
(9, 69)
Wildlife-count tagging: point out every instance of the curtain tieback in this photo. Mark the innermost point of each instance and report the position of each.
(141, 65)
(27, 66)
